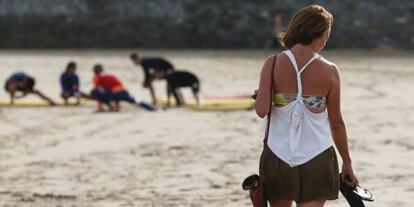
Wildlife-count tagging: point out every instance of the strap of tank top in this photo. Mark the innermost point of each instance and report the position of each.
(298, 72)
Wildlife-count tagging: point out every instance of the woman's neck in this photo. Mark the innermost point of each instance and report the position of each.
(303, 50)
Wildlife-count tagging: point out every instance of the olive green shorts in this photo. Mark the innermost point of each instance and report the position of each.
(317, 179)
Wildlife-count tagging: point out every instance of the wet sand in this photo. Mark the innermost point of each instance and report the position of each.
(71, 156)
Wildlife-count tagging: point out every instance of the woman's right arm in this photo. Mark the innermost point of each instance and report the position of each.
(338, 128)
(262, 104)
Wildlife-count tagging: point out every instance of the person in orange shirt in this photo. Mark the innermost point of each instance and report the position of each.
(109, 90)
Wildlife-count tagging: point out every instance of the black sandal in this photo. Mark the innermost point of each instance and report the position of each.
(355, 195)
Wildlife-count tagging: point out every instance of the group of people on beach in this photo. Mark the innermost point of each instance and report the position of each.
(108, 90)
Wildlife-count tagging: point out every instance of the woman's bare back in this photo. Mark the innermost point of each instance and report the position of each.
(316, 79)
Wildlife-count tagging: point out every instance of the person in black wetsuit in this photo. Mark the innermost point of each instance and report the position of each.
(21, 82)
(175, 81)
(148, 64)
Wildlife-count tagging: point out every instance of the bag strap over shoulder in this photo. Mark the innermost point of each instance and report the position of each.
(269, 115)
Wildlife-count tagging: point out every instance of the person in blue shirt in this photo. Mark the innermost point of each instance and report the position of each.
(69, 82)
(24, 84)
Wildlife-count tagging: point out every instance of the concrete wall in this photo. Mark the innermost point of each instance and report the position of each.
(193, 23)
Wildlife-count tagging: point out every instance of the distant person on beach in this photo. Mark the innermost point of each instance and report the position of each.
(299, 162)
(277, 30)
(148, 64)
(23, 84)
(110, 91)
(177, 80)
(69, 82)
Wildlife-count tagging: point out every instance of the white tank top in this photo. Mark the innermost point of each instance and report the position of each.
(297, 135)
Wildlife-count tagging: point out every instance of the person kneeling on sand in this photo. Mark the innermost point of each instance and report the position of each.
(177, 80)
(21, 82)
(69, 82)
(110, 91)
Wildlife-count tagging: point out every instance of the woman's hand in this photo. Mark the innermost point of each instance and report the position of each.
(348, 175)
(254, 96)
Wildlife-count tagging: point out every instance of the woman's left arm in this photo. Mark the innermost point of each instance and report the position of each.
(262, 104)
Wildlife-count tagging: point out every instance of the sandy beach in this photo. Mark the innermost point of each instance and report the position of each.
(71, 156)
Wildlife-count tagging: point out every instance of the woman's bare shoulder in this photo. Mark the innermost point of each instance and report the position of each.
(269, 60)
(330, 68)
(328, 65)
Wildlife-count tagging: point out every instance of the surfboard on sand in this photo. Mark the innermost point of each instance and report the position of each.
(32, 104)
(216, 103)
(209, 103)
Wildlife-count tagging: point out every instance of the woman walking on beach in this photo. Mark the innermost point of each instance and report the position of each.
(299, 162)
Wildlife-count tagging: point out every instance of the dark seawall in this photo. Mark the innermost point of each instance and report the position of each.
(193, 23)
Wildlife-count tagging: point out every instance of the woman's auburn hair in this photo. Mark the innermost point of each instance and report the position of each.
(307, 25)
